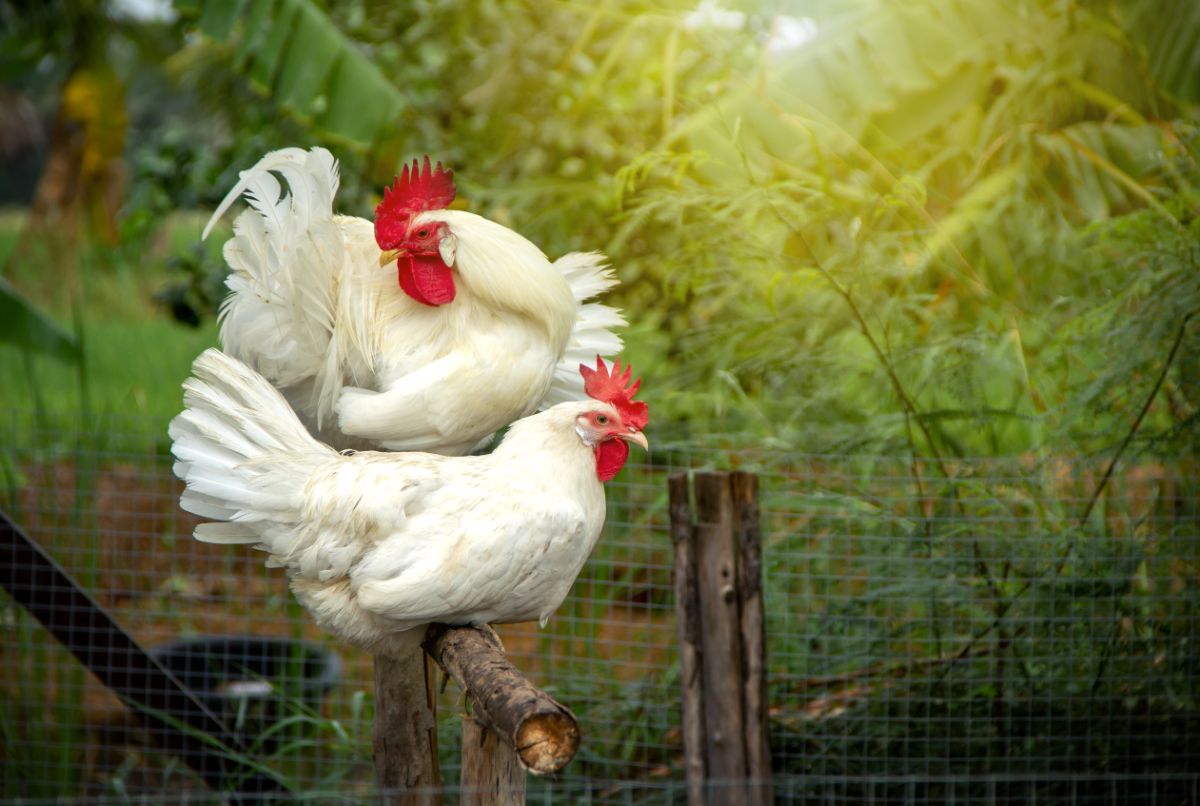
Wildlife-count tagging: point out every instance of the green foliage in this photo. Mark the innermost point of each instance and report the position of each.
(1145, 326)
(33, 28)
(294, 51)
(877, 241)
(24, 326)
(883, 239)
(884, 232)
(937, 228)
(130, 357)
(1169, 49)
(536, 106)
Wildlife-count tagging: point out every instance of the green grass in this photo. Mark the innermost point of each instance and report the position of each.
(135, 354)
(132, 368)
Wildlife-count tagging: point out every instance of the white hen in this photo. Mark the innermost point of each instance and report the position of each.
(425, 330)
(378, 545)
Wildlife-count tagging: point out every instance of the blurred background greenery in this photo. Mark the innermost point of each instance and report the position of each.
(955, 227)
(943, 228)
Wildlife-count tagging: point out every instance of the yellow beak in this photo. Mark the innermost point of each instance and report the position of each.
(389, 255)
(637, 437)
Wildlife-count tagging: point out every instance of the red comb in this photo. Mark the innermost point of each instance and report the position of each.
(414, 191)
(616, 389)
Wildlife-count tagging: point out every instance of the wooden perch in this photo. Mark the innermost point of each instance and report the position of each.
(543, 732)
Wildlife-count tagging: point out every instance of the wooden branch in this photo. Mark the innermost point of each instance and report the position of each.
(406, 764)
(687, 618)
(542, 731)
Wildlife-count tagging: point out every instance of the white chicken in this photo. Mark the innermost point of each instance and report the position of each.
(475, 328)
(379, 545)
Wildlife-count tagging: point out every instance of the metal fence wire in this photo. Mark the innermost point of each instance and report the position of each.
(942, 635)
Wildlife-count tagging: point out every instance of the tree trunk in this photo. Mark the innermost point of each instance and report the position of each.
(83, 181)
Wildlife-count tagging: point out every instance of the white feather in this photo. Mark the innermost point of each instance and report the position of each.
(286, 253)
(588, 275)
(225, 533)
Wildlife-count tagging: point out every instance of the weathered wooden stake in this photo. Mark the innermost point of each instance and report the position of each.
(721, 655)
(718, 585)
(754, 637)
(687, 619)
(492, 773)
(405, 732)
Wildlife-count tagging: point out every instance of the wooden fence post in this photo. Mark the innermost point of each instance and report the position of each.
(687, 618)
(405, 732)
(492, 774)
(720, 622)
(754, 637)
(719, 604)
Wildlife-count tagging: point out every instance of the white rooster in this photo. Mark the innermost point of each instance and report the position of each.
(472, 329)
(378, 545)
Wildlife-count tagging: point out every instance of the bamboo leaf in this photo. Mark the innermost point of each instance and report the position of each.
(1167, 33)
(1105, 165)
(360, 101)
(267, 55)
(974, 209)
(296, 54)
(256, 25)
(1124, 179)
(29, 329)
(309, 55)
(219, 17)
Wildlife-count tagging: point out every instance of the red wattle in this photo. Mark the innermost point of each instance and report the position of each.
(426, 279)
(610, 458)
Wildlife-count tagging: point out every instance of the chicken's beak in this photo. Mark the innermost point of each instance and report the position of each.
(389, 256)
(637, 437)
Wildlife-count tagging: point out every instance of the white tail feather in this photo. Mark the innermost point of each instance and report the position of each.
(286, 253)
(225, 533)
(588, 275)
(285, 161)
(242, 452)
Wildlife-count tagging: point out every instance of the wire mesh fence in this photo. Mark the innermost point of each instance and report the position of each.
(935, 633)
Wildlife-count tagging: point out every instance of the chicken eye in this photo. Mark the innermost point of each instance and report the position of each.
(423, 232)
(602, 419)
